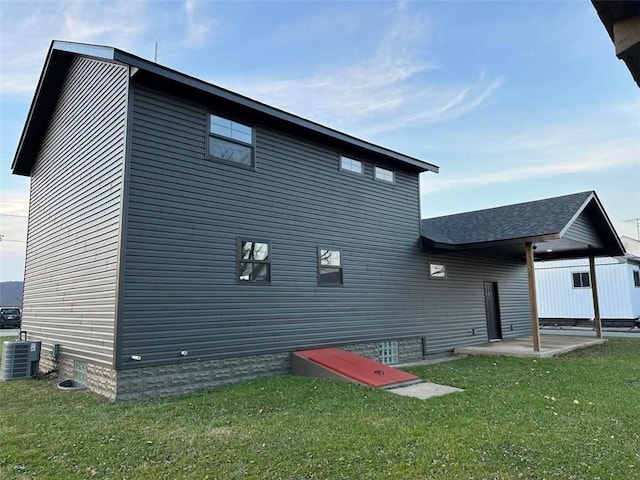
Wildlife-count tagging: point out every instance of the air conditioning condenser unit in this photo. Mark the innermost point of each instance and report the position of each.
(20, 358)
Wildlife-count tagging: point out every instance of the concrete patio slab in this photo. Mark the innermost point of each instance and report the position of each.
(424, 390)
(550, 346)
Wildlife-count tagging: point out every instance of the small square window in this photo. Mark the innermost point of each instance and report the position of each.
(389, 353)
(254, 261)
(329, 267)
(581, 280)
(437, 270)
(351, 165)
(384, 174)
(636, 278)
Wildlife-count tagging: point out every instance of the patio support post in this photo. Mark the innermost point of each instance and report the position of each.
(594, 293)
(535, 329)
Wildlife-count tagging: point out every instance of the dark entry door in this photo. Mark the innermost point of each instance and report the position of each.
(492, 306)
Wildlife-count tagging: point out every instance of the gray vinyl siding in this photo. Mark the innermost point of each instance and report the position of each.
(186, 213)
(456, 311)
(582, 230)
(72, 242)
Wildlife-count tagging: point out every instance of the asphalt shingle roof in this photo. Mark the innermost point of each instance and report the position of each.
(522, 220)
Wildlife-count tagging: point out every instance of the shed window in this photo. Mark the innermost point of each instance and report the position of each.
(254, 261)
(230, 141)
(636, 278)
(350, 165)
(329, 267)
(581, 280)
(384, 174)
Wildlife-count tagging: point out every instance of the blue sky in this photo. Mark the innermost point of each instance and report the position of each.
(515, 101)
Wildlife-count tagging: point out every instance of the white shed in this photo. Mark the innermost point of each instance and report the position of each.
(564, 290)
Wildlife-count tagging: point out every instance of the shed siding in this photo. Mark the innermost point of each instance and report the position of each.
(186, 212)
(74, 215)
(557, 298)
(582, 230)
(634, 291)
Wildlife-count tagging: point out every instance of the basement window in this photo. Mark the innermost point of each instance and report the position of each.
(389, 353)
(581, 280)
(329, 267)
(230, 141)
(254, 262)
(636, 278)
(351, 165)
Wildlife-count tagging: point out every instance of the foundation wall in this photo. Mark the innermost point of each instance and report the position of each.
(162, 381)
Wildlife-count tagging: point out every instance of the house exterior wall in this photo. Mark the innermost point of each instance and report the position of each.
(186, 213)
(455, 306)
(557, 298)
(74, 216)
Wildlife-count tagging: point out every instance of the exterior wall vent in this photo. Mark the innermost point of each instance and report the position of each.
(20, 358)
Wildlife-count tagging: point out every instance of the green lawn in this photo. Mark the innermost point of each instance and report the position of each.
(573, 417)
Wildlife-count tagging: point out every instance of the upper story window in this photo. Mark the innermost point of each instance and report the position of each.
(329, 267)
(384, 174)
(230, 141)
(581, 280)
(351, 165)
(254, 261)
(636, 278)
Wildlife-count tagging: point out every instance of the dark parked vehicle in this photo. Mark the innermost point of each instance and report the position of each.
(10, 317)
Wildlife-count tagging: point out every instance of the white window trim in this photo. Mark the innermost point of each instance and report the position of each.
(383, 171)
(434, 266)
(581, 286)
(350, 161)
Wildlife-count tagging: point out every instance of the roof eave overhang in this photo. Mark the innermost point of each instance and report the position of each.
(430, 244)
(192, 82)
(56, 65)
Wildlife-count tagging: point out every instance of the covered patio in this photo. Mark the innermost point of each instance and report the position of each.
(570, 226)
(549, 346)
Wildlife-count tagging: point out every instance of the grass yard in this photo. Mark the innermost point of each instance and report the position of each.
(573, 417)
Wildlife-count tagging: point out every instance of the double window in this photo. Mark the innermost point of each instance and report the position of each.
(329, 267)
(356, 166)
(254, 261)
(581, 280)
(230, 141)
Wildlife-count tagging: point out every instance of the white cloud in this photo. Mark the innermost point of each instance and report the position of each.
(14, 207)
(581, 159)
(384, 91)
(197, 29)
(27, 28)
